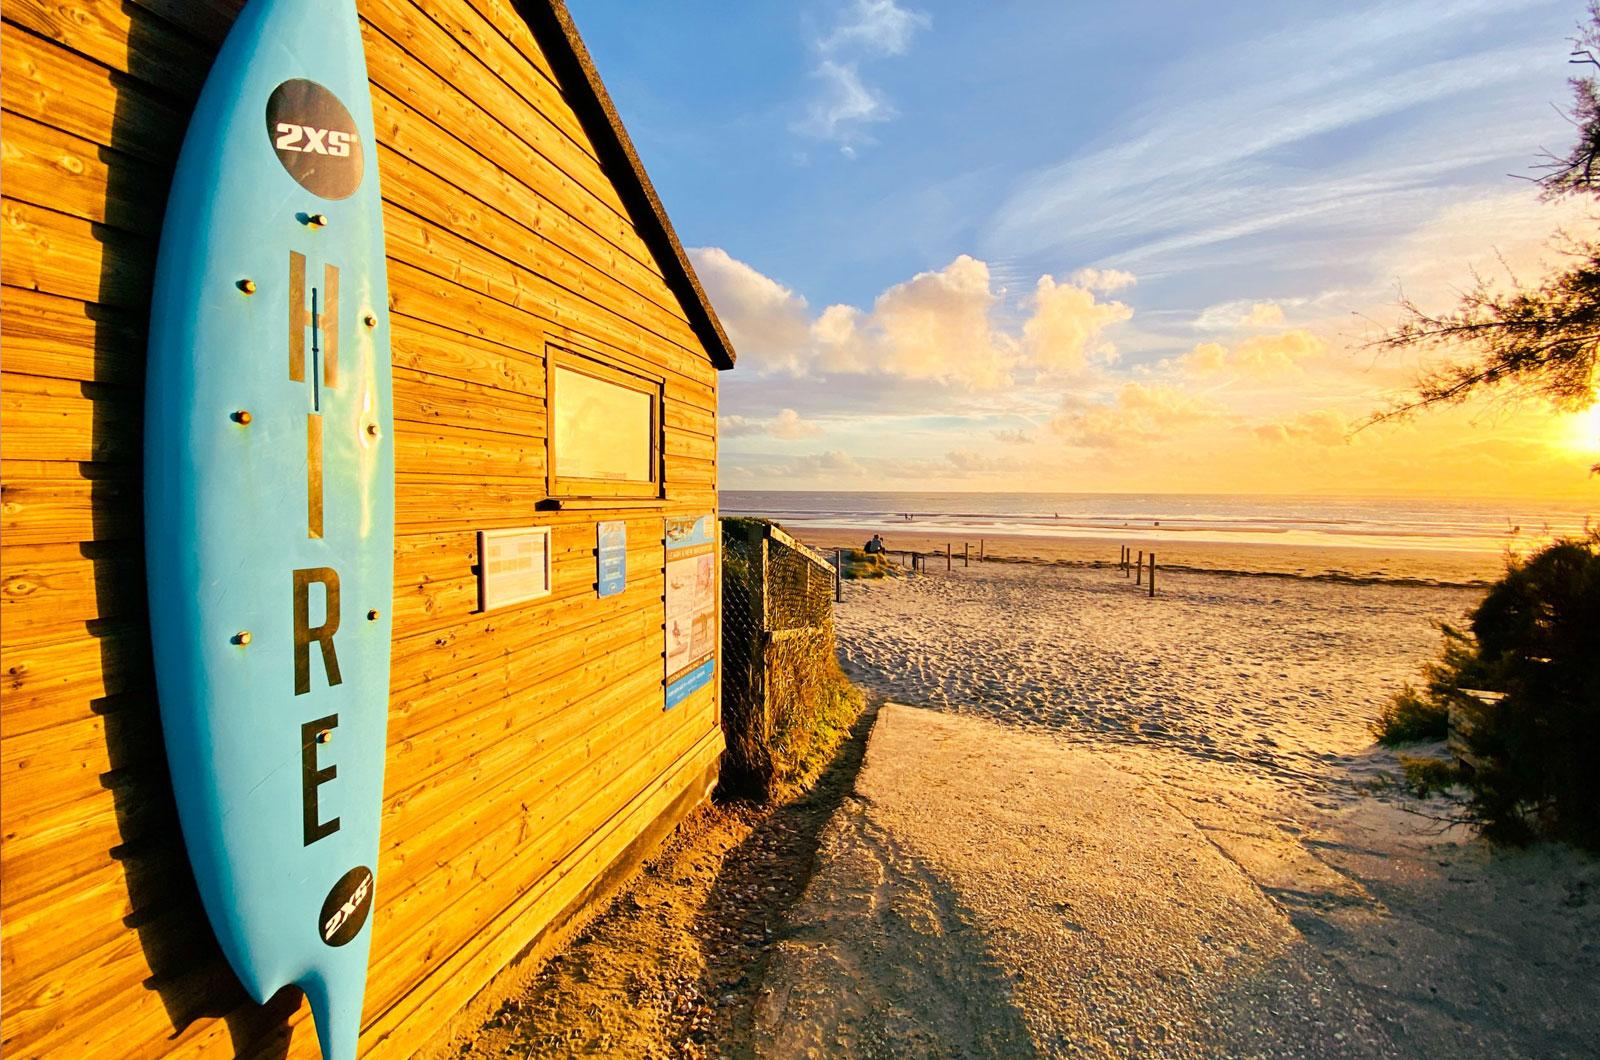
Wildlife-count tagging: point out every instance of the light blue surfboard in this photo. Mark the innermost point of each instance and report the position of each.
(269, 504)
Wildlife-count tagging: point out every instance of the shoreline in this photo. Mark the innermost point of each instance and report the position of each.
(1354, 566)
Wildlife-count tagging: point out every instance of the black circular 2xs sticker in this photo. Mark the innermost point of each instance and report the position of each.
(345, 909)
(315, 138)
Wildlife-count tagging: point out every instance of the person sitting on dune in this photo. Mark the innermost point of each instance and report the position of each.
(875, 545)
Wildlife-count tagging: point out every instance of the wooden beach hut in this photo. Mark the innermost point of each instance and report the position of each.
(536, 746)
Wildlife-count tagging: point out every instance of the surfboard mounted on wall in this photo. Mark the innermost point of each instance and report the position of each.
(269, 506)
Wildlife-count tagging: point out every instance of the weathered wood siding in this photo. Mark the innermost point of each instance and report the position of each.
(527, 747)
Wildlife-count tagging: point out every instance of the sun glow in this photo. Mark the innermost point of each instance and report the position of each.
(1583, 430)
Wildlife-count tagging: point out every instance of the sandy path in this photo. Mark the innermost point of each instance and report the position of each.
(1149, 834)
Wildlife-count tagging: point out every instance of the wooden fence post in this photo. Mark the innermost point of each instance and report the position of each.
(966, 553)
(1152, 575)
(838, 575)
(980, 549)
(949, 556)
(1138, 570)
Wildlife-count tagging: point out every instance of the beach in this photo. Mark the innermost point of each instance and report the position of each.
(1106, 823)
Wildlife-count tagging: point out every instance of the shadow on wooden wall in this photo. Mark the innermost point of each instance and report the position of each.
(167, 62)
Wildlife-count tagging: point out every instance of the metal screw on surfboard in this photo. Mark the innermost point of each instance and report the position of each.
(242, 637)
(248, 286)
(372, 616)
(370, 321)
(372, 429)
(242, 417)
(324, 735)
(317, 220)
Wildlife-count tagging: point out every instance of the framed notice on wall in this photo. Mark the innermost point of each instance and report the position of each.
(691, 621)
(513, 566)
(611, 558)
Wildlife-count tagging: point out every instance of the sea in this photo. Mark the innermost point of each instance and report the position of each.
(1387, 523)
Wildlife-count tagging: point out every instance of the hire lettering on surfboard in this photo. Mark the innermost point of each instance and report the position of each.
(313, 324)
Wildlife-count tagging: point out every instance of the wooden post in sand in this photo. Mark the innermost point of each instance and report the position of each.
(949, 555)
(980, 549)
(1138, 569)
(1152, 575)
(838, 575)
(966, 553)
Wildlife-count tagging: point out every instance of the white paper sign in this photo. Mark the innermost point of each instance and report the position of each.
(513, 566)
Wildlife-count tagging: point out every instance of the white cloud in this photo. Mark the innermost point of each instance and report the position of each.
(876, 26)
(933, 326)
(1138, 414)
(1104, 281)
(845, 104)
(787, 425)
(1240, 314)
(940, 327)
(766, 321)
(1262, 356)
(1325, 427)
(1063, 332)
(1248, 139)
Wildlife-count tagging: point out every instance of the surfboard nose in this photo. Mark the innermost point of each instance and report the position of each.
(336, 1009)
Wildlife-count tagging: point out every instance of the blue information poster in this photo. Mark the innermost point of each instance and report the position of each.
(611, 572)
(691, 604)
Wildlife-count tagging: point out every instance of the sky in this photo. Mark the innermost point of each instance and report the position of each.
(1103, 247)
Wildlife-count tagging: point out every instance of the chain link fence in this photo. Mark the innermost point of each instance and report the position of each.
(778, 648)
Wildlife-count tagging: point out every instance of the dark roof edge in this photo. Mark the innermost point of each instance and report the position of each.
(574, 67)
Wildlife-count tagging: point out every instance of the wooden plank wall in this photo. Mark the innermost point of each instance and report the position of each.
(527, 747)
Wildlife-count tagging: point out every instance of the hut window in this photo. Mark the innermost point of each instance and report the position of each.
(602, 433)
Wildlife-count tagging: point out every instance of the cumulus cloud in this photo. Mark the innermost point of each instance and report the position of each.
(787, 425)
(1260, 355)
(1320, 427)
(940, 326)
(1138, 414)
(1063, 334)
(766, 321)
(1263, 315)
(845, 105)
(833, 462)
(934, 326)
(1230, 316)
(1103, 281)
(973, 462)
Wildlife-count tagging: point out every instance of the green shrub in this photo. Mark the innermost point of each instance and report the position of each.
(1426, 776)
(1535, 638)
(1410, 717)
(819, 715)
(859, 563)
(1538, 641)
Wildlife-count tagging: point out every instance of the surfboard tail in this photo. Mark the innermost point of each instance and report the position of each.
(336, 1008)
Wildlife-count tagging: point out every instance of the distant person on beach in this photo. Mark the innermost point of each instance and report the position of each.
(876, 544)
